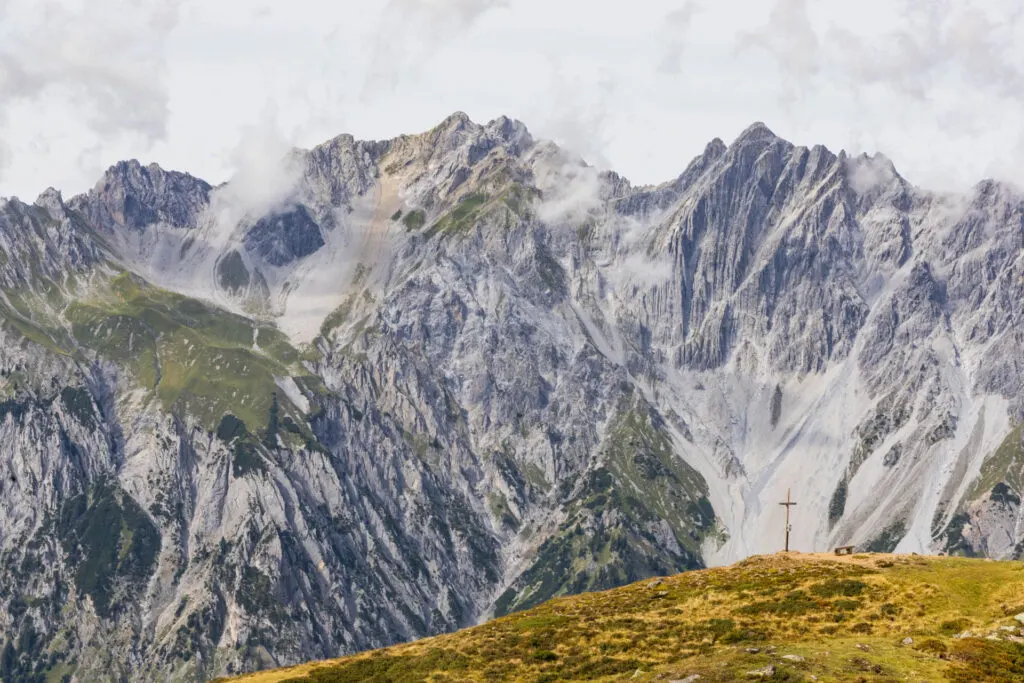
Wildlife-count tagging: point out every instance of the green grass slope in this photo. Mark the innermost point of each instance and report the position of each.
(606, 538)
(199, 360)
(776, 618)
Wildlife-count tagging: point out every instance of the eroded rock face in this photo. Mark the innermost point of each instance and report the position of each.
(136, 197)
(458, 373)
(284, 236)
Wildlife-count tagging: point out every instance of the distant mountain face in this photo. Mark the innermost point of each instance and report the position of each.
(455, 374)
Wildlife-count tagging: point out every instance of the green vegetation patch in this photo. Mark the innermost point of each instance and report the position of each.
(78, 402)
(551, 272)
(414, 220)
(775, 408)
(384, 668)
(497, 503)
(198, 360)
(837, 504)
(614, 522)
(890, 537)
(256, 592)
(338, 316)
(463, 217)
(541, 621)
(839, 587)
(641, 458)
(1004, 466)
(520, 198)
(977, 661)
(31, 325)
(110, 540)
(792, 604)
(245, 447)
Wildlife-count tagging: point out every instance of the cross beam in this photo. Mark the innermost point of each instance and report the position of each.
(789, 503)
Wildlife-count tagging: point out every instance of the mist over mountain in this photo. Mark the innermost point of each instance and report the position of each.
(388, 389)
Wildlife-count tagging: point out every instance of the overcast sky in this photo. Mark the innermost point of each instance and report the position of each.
(640, 86)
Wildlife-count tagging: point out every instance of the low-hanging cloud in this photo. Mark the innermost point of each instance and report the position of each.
(870, 174)
(571, 191)
(577, 120)
(266, 173)
(640, 271)
(411, 31)
(581, 119)
(106, 59)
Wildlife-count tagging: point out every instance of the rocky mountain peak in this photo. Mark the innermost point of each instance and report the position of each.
(52, 201)
(714, 149)
(512, 132)
(756, 133)
(133, 196)
(995, 192)
(458, 120)
(459, 131)
(452, 132)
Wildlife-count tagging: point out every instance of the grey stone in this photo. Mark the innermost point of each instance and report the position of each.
(480, 376)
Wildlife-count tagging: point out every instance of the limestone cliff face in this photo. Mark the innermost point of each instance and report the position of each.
(455, 374)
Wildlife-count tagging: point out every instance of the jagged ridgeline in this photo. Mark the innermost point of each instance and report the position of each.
(457, 374)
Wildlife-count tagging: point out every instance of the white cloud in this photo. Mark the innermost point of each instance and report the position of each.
(411, 31)
(102, 61)
(791, 38)
(933, 40)
(677, 26)
(636, 266)
(576, 113)
(868, 174)
(953, 67)
(266, 174)
(641, 271)
(929, 48)
(935, 85)
(1010, 166)
(571, 190)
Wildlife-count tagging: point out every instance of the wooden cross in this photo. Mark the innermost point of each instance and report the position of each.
(789, 503)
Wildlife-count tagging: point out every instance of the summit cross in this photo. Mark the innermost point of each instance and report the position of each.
(788, 503)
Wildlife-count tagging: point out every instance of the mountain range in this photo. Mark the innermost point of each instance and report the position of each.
(394, 388)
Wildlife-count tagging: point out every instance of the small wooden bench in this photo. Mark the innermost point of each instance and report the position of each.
(844, 550)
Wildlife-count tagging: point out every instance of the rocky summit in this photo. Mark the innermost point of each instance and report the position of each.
(414, 384)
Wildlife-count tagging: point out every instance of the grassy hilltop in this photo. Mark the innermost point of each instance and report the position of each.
(780, 618)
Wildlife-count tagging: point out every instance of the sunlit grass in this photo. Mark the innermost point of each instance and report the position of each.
(839, 620)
